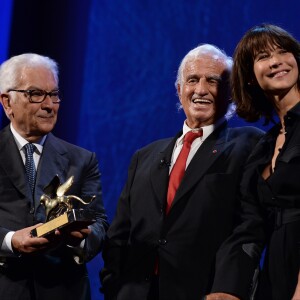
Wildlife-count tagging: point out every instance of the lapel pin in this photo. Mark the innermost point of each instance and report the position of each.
(215, 151)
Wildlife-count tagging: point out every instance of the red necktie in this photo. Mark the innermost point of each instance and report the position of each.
(179, 166)
(178, 172)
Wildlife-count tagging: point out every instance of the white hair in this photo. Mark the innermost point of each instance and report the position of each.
(11, 69)
(214, 52)
(197, 52)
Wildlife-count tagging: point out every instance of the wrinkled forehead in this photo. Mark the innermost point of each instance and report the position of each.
(207, 60)
(36, 73)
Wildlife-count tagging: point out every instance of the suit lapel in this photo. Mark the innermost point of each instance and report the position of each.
(53, 162)
(11, 162)
(204, 158)
(160, 169)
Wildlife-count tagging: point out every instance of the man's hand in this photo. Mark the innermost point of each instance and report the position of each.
(74, 238)
(221, 296)
(23, 242)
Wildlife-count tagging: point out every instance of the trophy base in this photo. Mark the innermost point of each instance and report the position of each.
(69, 221)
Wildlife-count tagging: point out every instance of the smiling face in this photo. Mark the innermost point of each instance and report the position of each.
(32, 120)
(276, 71)
(203, 92)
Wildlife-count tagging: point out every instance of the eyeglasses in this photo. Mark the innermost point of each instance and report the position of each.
(38, 96)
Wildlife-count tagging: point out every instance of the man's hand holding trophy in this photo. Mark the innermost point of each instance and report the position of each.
(60, 214)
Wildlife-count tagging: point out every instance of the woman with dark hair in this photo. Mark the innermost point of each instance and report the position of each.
(266, 84)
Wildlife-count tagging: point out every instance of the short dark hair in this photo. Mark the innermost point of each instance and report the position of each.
(251, 102)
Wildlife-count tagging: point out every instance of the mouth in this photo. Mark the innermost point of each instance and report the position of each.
(278, 74)
(46, 117)
(202, 101)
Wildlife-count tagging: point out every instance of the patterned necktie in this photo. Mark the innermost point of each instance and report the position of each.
(29, 165)
(179, 166)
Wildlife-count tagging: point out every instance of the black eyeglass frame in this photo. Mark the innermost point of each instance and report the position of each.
(29, 93)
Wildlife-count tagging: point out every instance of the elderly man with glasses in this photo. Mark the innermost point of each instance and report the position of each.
(30, 157)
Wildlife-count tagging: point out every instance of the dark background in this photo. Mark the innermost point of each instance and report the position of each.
(118, 61)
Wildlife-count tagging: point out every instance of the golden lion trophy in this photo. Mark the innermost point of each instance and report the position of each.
(59, 210)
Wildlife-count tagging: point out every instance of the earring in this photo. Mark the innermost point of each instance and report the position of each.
(251, 82)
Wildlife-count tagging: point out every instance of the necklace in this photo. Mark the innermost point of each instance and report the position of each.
(282, 131)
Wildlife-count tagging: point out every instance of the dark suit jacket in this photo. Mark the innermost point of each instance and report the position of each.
(185, 241)
(54, 275)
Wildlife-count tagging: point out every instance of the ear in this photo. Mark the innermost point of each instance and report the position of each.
(179, 92)
(5, 101)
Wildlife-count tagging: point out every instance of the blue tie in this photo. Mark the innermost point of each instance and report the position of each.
(29, 165)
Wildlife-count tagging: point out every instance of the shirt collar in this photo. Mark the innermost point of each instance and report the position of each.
(21, 142)
(294, 111)
(207, 130)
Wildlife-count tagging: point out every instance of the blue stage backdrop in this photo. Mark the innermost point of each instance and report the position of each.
(5, 21)
(133, 52)
(119, 61)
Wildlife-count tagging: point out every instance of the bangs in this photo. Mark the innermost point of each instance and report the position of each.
(265, 38)
(264, 43)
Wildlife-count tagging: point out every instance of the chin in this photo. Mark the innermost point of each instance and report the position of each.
(45, 129)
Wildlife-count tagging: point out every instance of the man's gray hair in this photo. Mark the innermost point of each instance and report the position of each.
(215, 52)
(11, 69)
(195, 53)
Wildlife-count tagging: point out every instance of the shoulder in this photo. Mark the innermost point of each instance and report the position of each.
(63, 146)
(5, 132)
(245, 137)
(156, 145)
(150, 151)
(246, 131)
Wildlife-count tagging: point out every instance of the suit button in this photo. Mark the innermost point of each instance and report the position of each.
(162, 241)
(31, 210)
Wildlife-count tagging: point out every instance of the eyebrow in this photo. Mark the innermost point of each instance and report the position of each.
(210, 76)
(192, 76)
(32, 87)
(214, 76)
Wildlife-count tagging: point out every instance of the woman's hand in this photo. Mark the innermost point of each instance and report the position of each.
(297, 291)
(220, 296)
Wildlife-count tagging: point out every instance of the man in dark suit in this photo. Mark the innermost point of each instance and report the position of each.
(40, 267)
(164, 249)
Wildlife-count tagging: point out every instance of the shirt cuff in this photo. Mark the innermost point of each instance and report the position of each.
(6, 246)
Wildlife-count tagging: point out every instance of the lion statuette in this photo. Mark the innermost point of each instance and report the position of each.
(56, 202)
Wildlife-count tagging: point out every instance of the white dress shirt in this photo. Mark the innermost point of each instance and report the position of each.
(207, 130)
(6, 247)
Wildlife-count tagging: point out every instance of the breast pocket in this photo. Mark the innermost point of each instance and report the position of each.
(220, 185)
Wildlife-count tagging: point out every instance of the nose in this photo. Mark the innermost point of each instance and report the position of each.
(274, 61)
(201, 87)
(47, 103)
